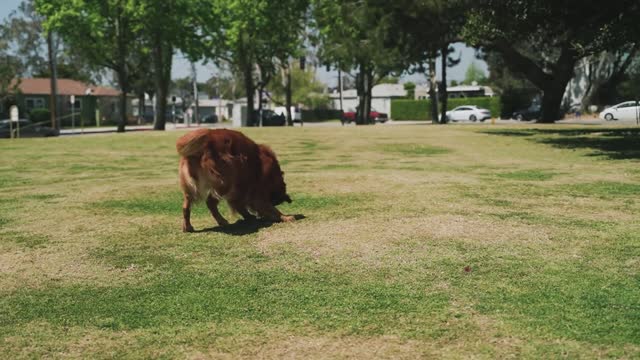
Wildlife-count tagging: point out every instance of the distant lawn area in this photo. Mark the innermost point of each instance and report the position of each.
(418, 241)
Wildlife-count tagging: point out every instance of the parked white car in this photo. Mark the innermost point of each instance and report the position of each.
(628, 110)
(295, 113)
(468, 112)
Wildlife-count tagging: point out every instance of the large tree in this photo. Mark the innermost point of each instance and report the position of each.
(102, 31)
(24, 30)
(424, 31)
(167, 27)
(9, 67)
(252, 37)
(354, 35)
(544, 40)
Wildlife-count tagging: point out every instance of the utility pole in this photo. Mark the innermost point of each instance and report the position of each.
(72, 100)
(340, 85)
(196, 111)
(53, 100)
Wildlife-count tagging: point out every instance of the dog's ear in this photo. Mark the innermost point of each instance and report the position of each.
(226, 150)
(227, 145)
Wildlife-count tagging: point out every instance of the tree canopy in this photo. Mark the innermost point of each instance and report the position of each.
(544, 40)
(528, 44)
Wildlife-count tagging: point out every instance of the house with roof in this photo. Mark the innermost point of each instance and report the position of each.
(459, 91)
(221, 108)
(93, 104)
(381, 96)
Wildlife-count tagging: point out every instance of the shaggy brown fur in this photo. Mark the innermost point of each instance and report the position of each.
(225, 164)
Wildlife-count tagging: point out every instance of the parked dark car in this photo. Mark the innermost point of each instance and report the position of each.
(374, 116)
(179, 117)
(530, 113)
(27, 129)
(271, 118)
(210, 119)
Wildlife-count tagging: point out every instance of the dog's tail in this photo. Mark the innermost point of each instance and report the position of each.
(192, 143)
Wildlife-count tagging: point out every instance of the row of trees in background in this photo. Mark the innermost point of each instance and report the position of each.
(527, 44)
(137, 39)
(541, 43)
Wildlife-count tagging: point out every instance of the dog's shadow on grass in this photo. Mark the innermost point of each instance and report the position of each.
(244, 227)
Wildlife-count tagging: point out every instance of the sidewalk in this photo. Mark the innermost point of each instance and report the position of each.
(130, 128)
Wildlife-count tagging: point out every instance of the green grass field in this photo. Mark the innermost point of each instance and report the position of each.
(417, 241)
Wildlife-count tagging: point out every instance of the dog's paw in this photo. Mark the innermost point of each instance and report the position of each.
(287, 218)
(187, 228)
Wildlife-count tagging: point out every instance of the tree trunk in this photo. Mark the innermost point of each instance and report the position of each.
(53, 101)
(433, 84)
(123, 109)
(249, 87)
(162, 61)
(121, 67)
(553, 85)
(141, 108)
(444, 96)
(260, 94)
(360, 86)
(123, 82)
(368, 87)
(124, 88)
(196, 97)
(552, 100)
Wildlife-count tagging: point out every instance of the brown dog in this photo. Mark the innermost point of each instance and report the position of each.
(225, 164)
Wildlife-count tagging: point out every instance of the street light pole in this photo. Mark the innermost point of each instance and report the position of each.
(73, 113)
(173, 111)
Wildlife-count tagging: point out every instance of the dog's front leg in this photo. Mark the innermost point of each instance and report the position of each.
(212, 204)
(240, 207)
(271, 213)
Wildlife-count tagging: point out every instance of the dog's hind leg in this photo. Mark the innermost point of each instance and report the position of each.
(212, 204)
(186, 214)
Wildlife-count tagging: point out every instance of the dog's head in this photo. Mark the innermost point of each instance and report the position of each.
(279, 190)
(274, 177)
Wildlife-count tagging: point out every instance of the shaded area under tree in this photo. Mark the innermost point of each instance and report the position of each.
(610, 143)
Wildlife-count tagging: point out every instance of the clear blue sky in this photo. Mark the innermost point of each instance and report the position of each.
(183, 69)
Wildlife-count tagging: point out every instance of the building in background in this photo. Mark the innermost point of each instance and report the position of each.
(91, 102)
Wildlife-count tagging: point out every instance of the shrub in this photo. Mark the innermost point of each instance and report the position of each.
(410, 110)
(421, 109)
(40, 115)
(317, 115)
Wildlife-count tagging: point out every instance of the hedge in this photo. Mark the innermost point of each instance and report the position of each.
(320, 115)
(421, 109)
